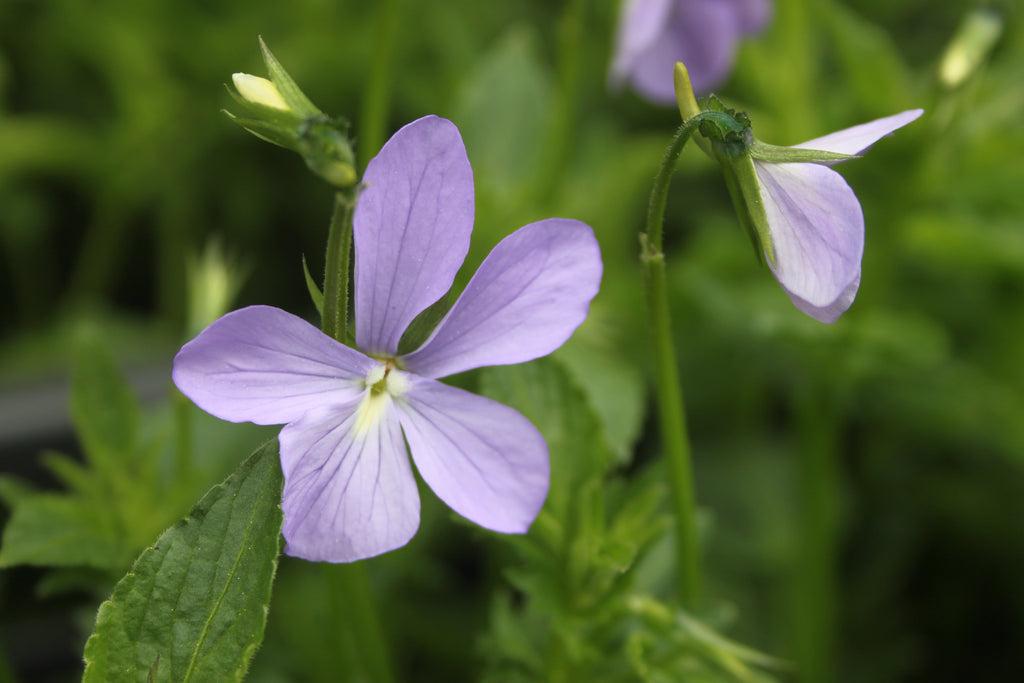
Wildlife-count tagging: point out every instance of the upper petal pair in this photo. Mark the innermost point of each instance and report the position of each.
(412, 226)
(816, 222)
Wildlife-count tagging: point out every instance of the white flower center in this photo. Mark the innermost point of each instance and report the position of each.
(384, 383)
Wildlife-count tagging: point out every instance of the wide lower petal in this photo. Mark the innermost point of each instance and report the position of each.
(858, 138)
(411, 227)
(817, 230)
(264, 365)
(349, 491)
(485, 460)
(529, 295)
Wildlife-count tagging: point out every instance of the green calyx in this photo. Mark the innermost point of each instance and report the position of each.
(277, 111)
(775, 154)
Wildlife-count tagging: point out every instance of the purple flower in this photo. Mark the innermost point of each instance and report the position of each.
(815, 223)
(655, 34)
(349, 490)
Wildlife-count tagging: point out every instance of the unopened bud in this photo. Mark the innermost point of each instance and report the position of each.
(259, 91)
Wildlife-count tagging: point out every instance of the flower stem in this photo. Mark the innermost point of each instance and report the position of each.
(351, 581)
(373, 118)
(819, 487)
(671, 411)
(336, 269)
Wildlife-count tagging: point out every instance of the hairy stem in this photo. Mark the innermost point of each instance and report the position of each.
(336, 269)
(671, 411)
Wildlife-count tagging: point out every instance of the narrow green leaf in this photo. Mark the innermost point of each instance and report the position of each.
(197, 600)
(314, 291)
(47, 529)
(103, 406)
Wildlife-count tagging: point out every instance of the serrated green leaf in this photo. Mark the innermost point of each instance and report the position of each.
(314, 290)
(197, 600)
(103, 406)
(52, 530)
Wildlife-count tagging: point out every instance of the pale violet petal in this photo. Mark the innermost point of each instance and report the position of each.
(529, 295)
(830, 313)
(858, 138)
(817, 230)
(412, 225)
(264, 365)
(484, 459)
(349, 491)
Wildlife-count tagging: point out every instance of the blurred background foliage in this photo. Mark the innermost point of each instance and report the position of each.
(862, 484)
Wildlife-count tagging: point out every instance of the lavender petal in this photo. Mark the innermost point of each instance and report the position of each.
(484, 459)
(349, 491)
(817, 230)
(858, 138)
(261, 364)
(529, 295)
(411, 227)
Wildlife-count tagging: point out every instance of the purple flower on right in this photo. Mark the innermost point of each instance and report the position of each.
(815, 224)
(655, 34)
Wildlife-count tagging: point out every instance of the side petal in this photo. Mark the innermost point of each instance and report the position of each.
(529, 295)
(264, 365)
(411, 228)
(817, 230)
(485, 460)
(858, 138)
(349, 492)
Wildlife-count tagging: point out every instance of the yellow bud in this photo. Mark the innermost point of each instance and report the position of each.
(259, 91)
(338, 174)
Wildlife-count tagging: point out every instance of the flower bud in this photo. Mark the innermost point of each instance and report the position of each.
(259, 91)
(970, 46)
(276, 110)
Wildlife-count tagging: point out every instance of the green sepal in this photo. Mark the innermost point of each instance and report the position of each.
(745, 189)
(289, 90)
(275, 135)
(314, 291)
(776, 154)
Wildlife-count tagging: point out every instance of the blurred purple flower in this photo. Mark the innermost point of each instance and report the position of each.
(703, 34)
(815, 221)
(349, 490)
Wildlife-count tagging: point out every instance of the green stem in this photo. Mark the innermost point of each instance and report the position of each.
(351, 581)
(671, 411)
(352, 585)
(373, 119)
(336, 268)
(818, 485)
